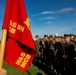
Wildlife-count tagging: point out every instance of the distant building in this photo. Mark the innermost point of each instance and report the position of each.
(56, 34)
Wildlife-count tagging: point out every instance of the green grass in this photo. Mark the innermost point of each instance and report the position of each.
(32, 70)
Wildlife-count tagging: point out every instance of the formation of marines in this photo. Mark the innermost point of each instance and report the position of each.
(57, 52)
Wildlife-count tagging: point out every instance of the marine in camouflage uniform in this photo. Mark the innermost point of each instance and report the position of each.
(59, 59)
(73, 40)
(37, 45)
(69, 56)
(46, 50)
(51, 52)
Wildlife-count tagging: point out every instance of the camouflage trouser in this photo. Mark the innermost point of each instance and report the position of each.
(38, 53)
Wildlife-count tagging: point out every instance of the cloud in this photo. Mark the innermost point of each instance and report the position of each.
(63, 10)
(47, 12)
(44, 12)
(48, 22)
(46, 18)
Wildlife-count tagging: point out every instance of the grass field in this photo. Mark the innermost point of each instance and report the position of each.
(32, 70)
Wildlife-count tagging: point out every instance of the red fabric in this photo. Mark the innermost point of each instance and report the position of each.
(19, 35)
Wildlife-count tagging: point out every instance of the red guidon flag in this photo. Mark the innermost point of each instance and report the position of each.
(20, 49)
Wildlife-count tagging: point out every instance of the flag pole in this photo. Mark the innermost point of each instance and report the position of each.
(2, 49)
